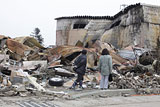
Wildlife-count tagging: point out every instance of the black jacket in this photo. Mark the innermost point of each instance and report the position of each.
(81, 63)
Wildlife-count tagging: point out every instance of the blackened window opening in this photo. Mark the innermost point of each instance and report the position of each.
(79, 26)
(115, 24)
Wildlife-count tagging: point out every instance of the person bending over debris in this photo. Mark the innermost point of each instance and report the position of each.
(80, 68)
(105, 68)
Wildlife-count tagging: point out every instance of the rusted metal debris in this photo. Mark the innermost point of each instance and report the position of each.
(24, 61)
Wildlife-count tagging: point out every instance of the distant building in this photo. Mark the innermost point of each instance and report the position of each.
(137, 24)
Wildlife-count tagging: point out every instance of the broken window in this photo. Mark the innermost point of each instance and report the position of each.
(79, 26)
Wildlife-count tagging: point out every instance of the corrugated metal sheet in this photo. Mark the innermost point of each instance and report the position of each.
(29, 41)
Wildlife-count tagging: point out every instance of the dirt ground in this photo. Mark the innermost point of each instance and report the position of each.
(134, 101)
(89, 101)
(58, 100)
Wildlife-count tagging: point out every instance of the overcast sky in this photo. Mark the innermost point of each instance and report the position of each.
(20, 17)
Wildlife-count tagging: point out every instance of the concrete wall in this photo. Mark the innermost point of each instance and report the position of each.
(138, 26)
(64, 31)
(128, 30)
(66, 35)
(62, 37)
(95, 29)
(76, 35)
(151, 26)
(151, 14)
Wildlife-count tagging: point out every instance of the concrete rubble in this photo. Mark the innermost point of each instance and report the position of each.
(27, 68)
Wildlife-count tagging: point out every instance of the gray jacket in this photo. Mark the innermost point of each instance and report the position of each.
(105, 64)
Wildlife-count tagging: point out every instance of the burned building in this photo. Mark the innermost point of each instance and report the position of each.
(137, 24)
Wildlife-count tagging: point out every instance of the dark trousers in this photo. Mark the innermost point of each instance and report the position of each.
(78, 80)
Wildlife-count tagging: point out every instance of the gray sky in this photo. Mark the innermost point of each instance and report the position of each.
(20, 17)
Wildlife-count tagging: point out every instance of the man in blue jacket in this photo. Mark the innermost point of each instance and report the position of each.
(80, 64)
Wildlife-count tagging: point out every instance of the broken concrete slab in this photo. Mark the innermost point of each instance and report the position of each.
(109, 92)
(33, 64)
(64, 72)
(33, 82)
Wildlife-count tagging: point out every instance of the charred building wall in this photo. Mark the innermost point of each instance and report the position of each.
(137, 24)
(70, 31)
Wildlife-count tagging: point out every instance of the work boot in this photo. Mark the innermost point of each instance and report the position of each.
(81, 83)
(101, 88)
(73, 85)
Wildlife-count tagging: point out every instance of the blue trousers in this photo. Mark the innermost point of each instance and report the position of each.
(79, 81)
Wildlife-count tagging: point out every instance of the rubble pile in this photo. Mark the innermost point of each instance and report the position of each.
(27, 68)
